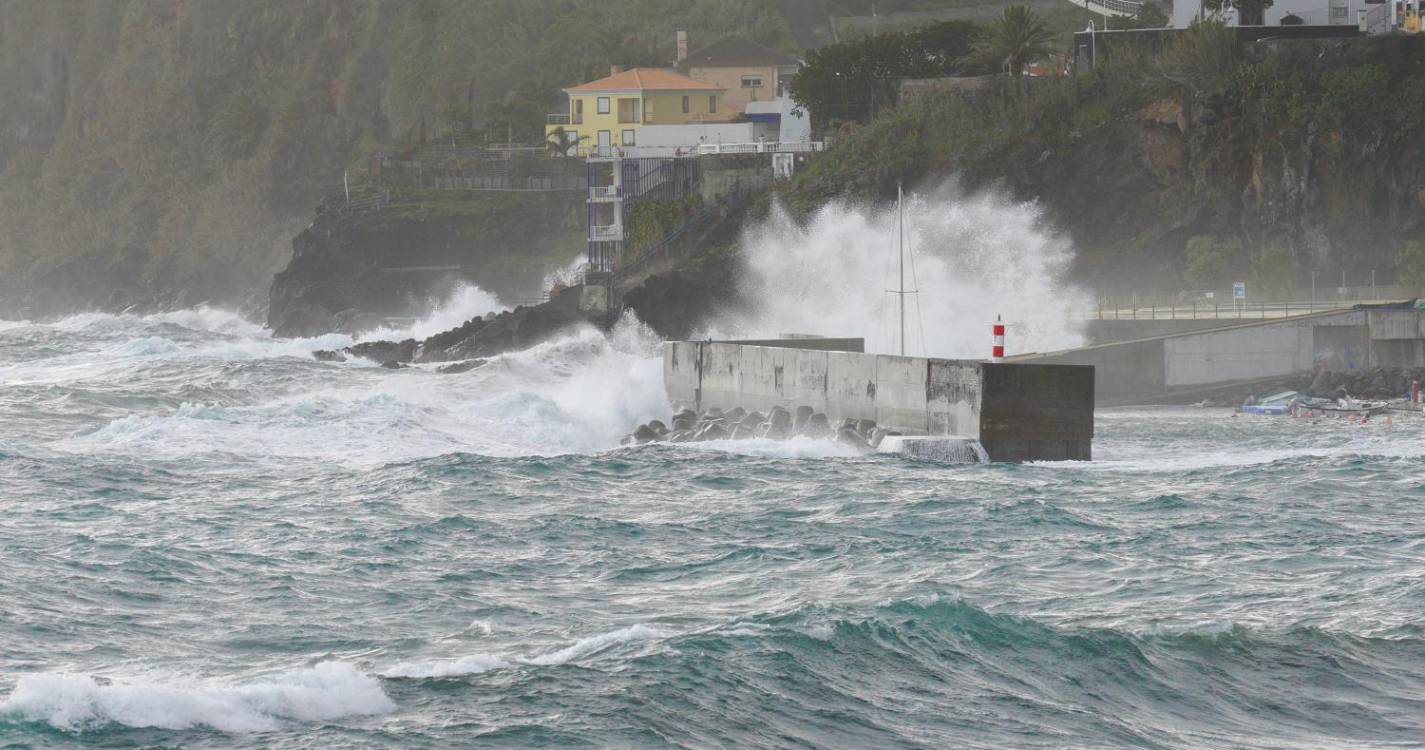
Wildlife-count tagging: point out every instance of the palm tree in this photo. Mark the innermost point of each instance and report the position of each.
(1015, 39)
(560, 141)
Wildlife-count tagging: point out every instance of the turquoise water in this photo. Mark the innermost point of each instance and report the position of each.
(212, 541)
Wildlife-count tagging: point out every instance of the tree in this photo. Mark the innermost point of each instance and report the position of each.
(1207, 260)
(854, 80)
(1249, 12)
(560, 141)
(1015, 39)
(1151, 15)
(1412, 262)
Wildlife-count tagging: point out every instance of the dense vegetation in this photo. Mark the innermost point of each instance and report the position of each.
(1187, 166)
(166, 153)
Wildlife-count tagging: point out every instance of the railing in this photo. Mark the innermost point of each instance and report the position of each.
(366, 199)
(508, 184)
(1220, 311)
(761, 147)
(556, 119)
(603, 232)
(603, 191)
(1110, 8)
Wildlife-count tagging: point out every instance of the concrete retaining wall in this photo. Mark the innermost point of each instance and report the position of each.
(1027, 412)
(1343, 340)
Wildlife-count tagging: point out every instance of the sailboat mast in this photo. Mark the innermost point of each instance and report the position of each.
(900, 256)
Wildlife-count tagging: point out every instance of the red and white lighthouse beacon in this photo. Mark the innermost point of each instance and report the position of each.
(997, 353)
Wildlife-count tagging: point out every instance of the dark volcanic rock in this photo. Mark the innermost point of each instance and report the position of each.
(459, 367)
(384, 351)
(351, 269)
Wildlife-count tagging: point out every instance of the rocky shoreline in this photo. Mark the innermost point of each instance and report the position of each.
(476, 339)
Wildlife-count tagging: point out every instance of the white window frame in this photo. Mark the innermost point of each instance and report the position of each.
(628, 137)
(752, 82)
(603, 105)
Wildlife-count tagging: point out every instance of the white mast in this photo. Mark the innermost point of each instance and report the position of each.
(900, 256)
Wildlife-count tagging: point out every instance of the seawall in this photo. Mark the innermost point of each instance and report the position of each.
(1190, 364)
(1017, 412)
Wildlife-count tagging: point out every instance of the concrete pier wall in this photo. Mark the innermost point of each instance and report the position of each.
(1026, 412)
(1185, 363)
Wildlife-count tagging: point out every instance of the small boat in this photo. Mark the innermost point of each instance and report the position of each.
(1341, 407)
(1276, 405)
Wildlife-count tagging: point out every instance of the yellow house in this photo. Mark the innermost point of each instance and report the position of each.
(748, 71)
(608, 113)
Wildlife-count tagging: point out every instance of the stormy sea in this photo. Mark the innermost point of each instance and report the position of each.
(211, 540)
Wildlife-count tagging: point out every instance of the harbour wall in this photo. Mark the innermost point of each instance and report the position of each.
(1195, 362)
(1017, 412)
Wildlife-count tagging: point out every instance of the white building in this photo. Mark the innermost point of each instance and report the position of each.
(1369, 17)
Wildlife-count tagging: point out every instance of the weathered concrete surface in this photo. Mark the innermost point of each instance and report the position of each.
(1036, 412)
(1111, 331)
(1184, 363)
(1026, 412)
(809, 342)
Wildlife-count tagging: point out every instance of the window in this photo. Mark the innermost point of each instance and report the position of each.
(752, 82)
(627, 110)
(578, 118)
(603, 105)
(628, 138)
(685, 105)
(712, 103)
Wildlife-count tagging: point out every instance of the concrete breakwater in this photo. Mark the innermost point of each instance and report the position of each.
(1017, 412)
(779, 423)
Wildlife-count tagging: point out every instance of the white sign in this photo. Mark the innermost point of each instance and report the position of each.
(1239, 290)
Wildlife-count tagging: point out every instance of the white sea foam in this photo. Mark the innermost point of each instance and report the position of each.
(581, 649)
(566, 275)
(464, 302)
(797, 447)
(975, 257)
(325, 692)
(577, 393)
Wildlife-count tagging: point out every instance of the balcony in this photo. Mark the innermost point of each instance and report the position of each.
(608, 232)
(556, 119)
(761, 147)
(603, 192)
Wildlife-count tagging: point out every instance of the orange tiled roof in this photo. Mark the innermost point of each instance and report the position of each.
(645, 79)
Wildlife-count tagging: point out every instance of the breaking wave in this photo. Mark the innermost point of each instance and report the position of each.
(480, 663)
(325, 692)
(464, 302)
(576, 393)
(971, 257)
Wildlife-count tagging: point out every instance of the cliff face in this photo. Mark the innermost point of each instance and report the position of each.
(162, 153)
(349, 270)
(1279, 160)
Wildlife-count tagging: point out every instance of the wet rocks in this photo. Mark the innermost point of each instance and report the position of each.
(687, 426)
(455, 368)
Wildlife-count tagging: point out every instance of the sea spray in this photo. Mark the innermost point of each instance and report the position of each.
(575, 393)
(175, 571)
(462, 303)
(970, 257)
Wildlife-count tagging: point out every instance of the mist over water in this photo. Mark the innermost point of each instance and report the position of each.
(212, 540)
(463, 302)
(970, 256)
